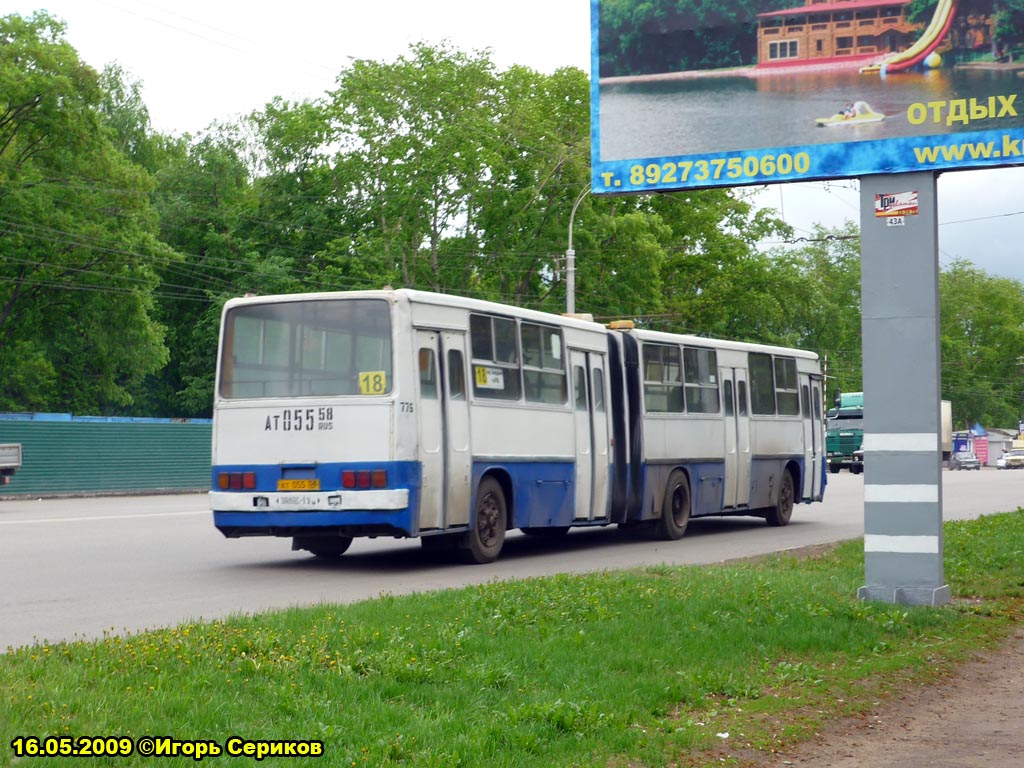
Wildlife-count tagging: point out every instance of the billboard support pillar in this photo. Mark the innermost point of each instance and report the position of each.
(903, 541)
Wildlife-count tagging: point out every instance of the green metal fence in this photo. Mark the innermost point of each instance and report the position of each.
(65, 454)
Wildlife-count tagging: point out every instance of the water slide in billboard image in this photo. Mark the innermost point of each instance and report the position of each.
(769, 91)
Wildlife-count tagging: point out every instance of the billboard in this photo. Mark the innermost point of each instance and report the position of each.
(713, 93)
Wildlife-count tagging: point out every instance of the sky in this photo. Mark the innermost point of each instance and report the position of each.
(201, 62)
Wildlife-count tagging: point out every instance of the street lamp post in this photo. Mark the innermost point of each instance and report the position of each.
(570, 259)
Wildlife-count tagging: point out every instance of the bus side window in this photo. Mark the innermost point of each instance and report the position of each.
(762, 384)
(580, 381)
(543, 368)
(805, 401)
(598, 391)
(663, 379)
(787, 394)
(428, 377)
(741, 398)
(496, 370)
(456, 375)
(727, 396)
(699, 367)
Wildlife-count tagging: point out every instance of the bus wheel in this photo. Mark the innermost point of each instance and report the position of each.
(781, 513)
(323, 546)
(675, 508)
(485, 539)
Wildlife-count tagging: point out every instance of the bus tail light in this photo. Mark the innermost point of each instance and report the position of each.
(236, 481)
(364, 478)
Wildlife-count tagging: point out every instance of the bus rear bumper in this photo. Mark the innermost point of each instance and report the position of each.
(349, 513)
(328, 501)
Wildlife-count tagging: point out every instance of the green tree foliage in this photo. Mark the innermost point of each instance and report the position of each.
(203, 195)
(435, 171)
(1007, 18)
(655, 36)
(1008, 26)
(982, 338)
(77, 235)
(417, 142)
(822, 283)
(714, 281)
(921, 11)
(450, 176)
(982, 342)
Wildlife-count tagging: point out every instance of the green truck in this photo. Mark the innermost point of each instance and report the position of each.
(844, 432)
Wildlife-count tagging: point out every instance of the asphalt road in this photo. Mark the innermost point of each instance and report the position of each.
(79, 568)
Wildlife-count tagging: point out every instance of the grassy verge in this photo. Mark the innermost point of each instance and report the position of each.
(650, 667)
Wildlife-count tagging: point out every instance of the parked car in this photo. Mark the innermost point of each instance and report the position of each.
(857, 465)
(964, 460)
(1011, 460)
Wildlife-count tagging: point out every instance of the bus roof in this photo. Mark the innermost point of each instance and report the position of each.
(707, 341)
(424, 297)
(479, 305)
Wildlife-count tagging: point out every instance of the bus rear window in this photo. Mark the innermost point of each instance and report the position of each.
(307, 349)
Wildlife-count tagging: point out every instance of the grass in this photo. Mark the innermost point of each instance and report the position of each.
(651, 667)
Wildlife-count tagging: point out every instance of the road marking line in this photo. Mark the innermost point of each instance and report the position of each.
(94, 518)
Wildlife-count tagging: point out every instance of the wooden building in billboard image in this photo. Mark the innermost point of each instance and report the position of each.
(851, 31)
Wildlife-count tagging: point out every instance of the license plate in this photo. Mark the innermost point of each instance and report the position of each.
(298, 485)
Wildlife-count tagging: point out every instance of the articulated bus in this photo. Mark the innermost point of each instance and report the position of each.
(411, 414)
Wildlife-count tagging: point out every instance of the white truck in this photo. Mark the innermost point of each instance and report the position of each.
(10, 461)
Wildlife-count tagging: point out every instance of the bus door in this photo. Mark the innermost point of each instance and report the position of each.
(443, 408)
(593, 458)
(737, 437)
(810, 405)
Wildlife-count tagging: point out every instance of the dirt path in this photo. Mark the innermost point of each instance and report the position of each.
(973, 719)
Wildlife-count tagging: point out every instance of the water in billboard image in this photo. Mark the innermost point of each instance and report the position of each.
(736, 92)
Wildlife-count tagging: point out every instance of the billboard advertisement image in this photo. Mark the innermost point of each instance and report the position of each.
(712, 93)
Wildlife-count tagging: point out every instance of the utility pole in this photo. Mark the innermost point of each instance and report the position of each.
(570, 259)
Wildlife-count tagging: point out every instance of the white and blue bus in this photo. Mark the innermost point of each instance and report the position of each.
(412, 414)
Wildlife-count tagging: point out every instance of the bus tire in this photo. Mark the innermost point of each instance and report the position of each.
(782, 512)
(486, 537)
(675, 508)
(323, 546)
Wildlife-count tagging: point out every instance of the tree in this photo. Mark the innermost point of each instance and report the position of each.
(715, 282)
(982, 342)
(1008, 27)
(77, 235)
(825, 301)
(654, 36)
(416, 136)
(202, 194)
